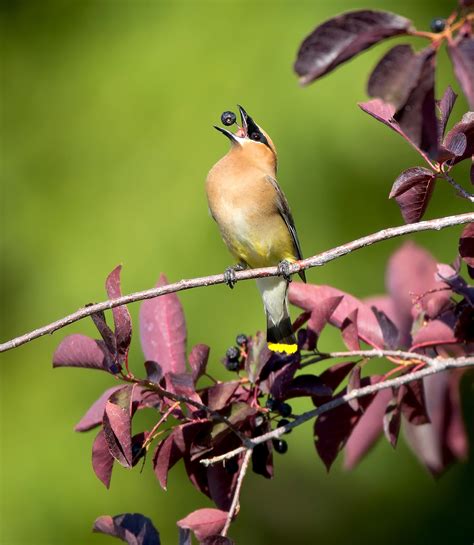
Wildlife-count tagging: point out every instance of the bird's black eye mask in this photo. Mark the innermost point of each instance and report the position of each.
(254, 133)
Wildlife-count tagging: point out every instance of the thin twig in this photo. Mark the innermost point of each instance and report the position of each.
(436, 365)
(238, 486)
(314, 261)
(400, 354)
(461, 191)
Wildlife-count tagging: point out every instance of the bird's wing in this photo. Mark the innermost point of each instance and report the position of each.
(285, 212)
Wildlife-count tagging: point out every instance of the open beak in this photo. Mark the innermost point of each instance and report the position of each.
(227, 133)
(244, 119)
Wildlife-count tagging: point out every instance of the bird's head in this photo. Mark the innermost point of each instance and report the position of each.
(249, 139)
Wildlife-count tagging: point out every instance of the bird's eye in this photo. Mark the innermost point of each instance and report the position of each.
(255, 136)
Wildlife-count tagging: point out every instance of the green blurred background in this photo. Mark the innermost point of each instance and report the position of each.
(106, 132)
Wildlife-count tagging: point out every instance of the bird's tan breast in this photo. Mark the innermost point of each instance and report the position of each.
(243, 203)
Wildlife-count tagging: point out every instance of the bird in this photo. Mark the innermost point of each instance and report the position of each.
(255, 220)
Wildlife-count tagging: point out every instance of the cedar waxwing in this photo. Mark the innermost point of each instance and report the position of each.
(255, 220)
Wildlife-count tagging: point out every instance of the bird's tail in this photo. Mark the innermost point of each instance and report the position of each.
(280, 337)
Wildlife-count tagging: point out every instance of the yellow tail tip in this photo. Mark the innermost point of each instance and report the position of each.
(282, 347)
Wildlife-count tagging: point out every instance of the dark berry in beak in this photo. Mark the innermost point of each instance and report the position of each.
(228, 118)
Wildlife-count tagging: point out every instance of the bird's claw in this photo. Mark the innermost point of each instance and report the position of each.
(229, 275)
(284, 270)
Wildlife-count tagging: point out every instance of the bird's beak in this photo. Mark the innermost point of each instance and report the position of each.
(248, 124)
(227, 133)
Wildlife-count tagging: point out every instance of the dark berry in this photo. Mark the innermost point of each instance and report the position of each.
(272, 404)
(241, 339)
(232, 365)
(285, 409)
(283, 422)
(232, 353)
(228, 118)
(280, 446)
(438, 24)
(231, 466)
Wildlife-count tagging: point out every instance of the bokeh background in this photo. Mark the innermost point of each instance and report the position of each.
(106, 138)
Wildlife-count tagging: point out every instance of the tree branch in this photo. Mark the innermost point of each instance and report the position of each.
(235, 500)
(436, 365)
(314, 261)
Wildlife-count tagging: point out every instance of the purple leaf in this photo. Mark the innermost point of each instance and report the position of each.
(204, 522)
(222, 483)
(134, 529)
(462, 57)
(95, 414)
(390, 331)
(417, 118)
(349, 331)
(321, 313)
(445, 106)
(409, 178)
(117, 425)
(367, 430)
(166, 455)
(310, 296)
(306, 385)
(154, 372)
(444, 440)
(410, 281)
(466, 245)
(219, 395)
(258, 356)
(454, 141)
(412, 403)
(333, 376)
(182, 384)
(198, 359)
(354, 384)
(262, 454)
(414, 201)
(102, 460)
(433, 333)
(163, 331)
(80, 351)
(105, 332)
(341, 38)
(391, 422)
(122, 320)
(395, 75)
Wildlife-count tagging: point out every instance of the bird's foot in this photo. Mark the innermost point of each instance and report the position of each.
(284, 270)
(229, 275)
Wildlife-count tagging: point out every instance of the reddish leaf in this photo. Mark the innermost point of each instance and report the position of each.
(321, 313)
(412, 403)
(122, 320)
(341, 38)
(410, 282)
(464, 146)
(417, 118)
(163, 331)
(262, 454)
(309, 297)
(445, 106)
(154, 372)
(117, 425)
(414, 201)
(444, 440)
(466, 244)
(334, 375)
(105, 332)
(80, 351)
(134, 529)
(166, 455)
(222, 483)
(306, 385)
(395, 75)
(367, 430)
(462, 57)
(95, 414)
(390, 332)
(204, 522)
(391, 422)
(350, 332)
(102, 460)
(354, 384)
(217, 540)
(410, 178)
(219, 395)
(198, 359)
(182, 384)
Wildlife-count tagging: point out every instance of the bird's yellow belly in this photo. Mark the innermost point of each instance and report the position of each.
(258, 244)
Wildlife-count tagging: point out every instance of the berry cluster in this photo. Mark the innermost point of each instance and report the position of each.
(233, 355)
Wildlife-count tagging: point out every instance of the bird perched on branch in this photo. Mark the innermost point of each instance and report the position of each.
(255, 220)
